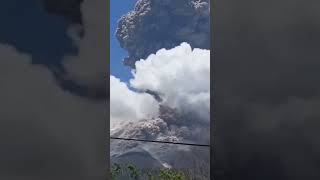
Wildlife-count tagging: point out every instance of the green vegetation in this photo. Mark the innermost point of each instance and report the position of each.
(131, 172)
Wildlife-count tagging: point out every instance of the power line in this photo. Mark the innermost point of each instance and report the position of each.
(163, 142)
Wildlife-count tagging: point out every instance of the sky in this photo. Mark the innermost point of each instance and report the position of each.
(118, 8)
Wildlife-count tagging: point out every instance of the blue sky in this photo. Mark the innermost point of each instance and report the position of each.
(117, 69)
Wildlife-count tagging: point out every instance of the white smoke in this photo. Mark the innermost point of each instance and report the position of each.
(181, 76)
(127, 105)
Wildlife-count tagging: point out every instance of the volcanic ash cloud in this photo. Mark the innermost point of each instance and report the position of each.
(155, 24)
(177, 110)
(179, 76)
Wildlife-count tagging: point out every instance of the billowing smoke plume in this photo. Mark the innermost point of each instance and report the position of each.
(267, 95)
(180, 76)
(156, 24)
(183, 110)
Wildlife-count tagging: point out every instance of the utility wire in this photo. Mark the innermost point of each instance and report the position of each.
(163, 142)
